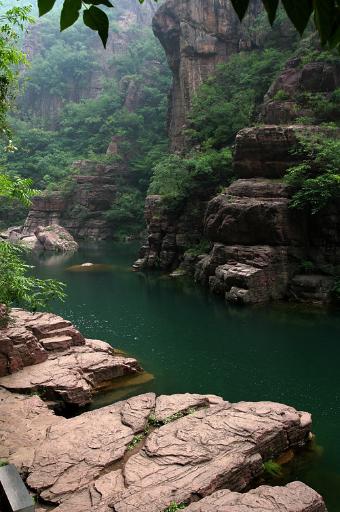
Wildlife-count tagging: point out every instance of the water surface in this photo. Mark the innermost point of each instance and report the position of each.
(192, 342)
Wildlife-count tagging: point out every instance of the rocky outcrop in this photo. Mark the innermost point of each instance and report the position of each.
(203, 445)
(294, 92)
(45, 354)
(196, 37)
(82, 210)
(171, 230)
(295, 497)
(263, 249)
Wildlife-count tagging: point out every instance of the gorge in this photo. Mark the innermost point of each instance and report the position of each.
(240, 198)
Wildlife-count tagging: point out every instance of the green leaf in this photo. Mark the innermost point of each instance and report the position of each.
(97, 20)
(99, 2)
(271, 8)
(45, 6)
(325, 13)
(299, 12)
(69, 13)
(240, 7)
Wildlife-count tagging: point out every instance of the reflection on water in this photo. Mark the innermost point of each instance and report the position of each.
(192, 342)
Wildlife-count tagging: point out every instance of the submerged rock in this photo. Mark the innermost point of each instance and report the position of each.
(43, 353)
(90, 267)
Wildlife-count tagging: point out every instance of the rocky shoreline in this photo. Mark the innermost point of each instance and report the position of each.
(45, 354)
(146, 453)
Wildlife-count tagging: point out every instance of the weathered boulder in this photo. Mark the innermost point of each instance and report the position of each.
(55, 238)
(43, 353)
(82, 463)
(294, 497)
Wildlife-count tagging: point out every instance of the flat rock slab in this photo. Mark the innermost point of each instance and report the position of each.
(85, 464)
(72, 375)
(43, 353)
(294, 497)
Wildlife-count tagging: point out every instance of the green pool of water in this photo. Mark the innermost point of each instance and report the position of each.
(193, 342)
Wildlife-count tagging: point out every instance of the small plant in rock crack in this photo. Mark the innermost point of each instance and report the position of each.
(272, 468)
(136, 440)
(3, 462)
(174, 506)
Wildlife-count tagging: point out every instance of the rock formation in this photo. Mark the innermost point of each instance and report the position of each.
(295, 497)
(259, 244)
(45, 354)
(51, 237)
(196, 37)
(197, 446)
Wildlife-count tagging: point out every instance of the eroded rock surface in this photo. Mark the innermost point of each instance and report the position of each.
(294, 497)
(83, 463)
(43, 353)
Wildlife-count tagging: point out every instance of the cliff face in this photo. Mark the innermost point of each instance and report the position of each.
(196, 37)
(260, 244)
(82, 210)
(45, 104)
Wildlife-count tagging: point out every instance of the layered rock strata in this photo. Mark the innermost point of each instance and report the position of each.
(82, 210)
(205, 444)
(43, 353)
(261, 244)
(196, 37)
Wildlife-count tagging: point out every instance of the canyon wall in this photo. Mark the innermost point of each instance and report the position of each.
(260, 248)
(196, 37)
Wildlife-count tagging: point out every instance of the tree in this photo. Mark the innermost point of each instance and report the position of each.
(326, 15)
(12, 22)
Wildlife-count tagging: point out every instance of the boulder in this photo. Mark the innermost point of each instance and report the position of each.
(55, 238)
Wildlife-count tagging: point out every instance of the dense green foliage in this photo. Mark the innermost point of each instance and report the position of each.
(12, 23)
(17, 287)
(83, 129)
(126, 213)
(227, 101)
(316, 181)
(177, 177)
(16, 188)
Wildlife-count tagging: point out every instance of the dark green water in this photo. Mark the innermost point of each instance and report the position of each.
(192, 342)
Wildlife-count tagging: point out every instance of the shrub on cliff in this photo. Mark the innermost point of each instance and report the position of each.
(316, 180)
(177, 177)
(227, 101)
(127, 212)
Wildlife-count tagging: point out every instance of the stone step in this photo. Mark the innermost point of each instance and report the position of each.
(57, 343)
(70, 331)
